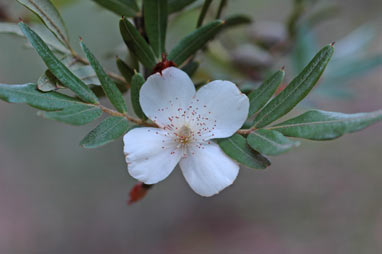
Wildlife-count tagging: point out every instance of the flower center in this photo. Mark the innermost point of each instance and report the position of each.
(184, 135)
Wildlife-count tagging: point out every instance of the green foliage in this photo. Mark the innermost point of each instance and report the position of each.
(191, 67)
(270, 142)
(260, 96)
(110, 88)
(58, 69)
(177, 5)
(155, 15)
(136, 83)
(125, 70)
(194, 41)
(108, 130)
(76, 114)
(324, 125)
(28, 93)
(296, 90)
(48, 13)
(237, 148)
(48, 82)
(53, 43)
(137, 44)
(128, 8)
(236, 20)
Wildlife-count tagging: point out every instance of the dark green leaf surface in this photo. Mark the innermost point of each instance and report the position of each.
(76, 114)
(50, 16)
(111, 90)
(260, 96)
(296, 90)
(177, 5)
(270, 142)
(324, 125)
(59, 70)
(236, 20)
(108, 130)
(136, 83)
(28, 93)
(48, 82)
(194, 41)
(237, 148)
(155, 14)
(125, 70)
(128, 8)
(137, 44)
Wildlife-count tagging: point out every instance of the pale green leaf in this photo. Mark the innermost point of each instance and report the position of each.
(75, 115)
(128, 8)
(324, 125)
(270, 142)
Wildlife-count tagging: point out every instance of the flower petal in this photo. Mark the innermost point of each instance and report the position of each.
(150, 154)
(220, 109)
(164, 98)
(208, 170)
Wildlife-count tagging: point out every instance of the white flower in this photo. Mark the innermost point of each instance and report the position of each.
(188, 122)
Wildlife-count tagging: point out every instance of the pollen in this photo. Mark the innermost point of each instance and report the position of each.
(184, 135)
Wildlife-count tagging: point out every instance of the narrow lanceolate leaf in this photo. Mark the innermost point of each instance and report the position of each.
(111, 90)
(136, 84)
(125, 70)
(28, 94)
(259, 97)
(76, 114)
(128, 8)
(50, 16)
(108, 130)
(137, 44)
(58, 69)
(48, 82)
(324, 125)
(237, 148)
(194, 41)
(237, 20)
(299, 87)
(53, 43)
(177, 5)
(270, 142)
(155, 14)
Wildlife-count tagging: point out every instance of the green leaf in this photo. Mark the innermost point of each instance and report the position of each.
(46, 36)
(260, 96)
(125, 70)
(270, 142)
(203, 12)
(324, 125)
(155, 15)
(28, 93)
(177, 5)
(48, 82)
(108, 130)
(76, 114)
(128, 8)
(296, 90)
(59, 70)
(194, 41)
(137, 44)
(111, 90)
(191, 67)
(237, 148)
(48, 13)
(136, 83)
(236, 20)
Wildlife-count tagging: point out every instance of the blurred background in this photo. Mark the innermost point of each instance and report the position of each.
(323, 197)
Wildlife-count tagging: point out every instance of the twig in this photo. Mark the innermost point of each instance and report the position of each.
(128, 117)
